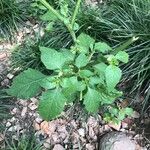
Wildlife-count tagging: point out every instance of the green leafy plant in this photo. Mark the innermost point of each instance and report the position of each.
(115, 22)
(87, 72)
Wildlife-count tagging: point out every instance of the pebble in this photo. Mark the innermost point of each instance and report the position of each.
(55, 138)
(135, 115)
(11, 129)
(10, 76)
(51, 127)
(115, 126)
(124, 125)
(23, 102)
(90, 147)
(38, 120)
(3, 55)
(13, 119)
(34, 100)
(81, 132)
(1, 137)
(32, 106)
(5, 82)
(36, 126)
(58, 147)
(24, 111)
(14, 111)
(44, 126)
(8, 124)
(47, 145)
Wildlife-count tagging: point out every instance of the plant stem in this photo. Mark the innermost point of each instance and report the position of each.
(60, 17)
(75, 13)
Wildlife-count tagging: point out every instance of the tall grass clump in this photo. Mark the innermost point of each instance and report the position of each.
(13, 13)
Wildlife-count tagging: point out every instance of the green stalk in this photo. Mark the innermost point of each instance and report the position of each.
(75, 13)
(60, 17)
(48, 6)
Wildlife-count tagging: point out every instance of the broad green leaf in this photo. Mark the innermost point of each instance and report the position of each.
(128, 111)
(102, 47)
(122, 56)
(108, 97)
(81, 60)
(113, 111)
(70, 94)
(97, 80)
(48, 16)
(92, 100)
(52, 59)
(100, 68)
(51, 104)
(121, 115)
(85, 73)
(85, 42)
(26, 84)
(73, 83)
(48, 83)
(68, 54)
(113, 76)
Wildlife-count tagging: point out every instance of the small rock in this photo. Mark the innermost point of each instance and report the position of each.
(38, 120)
(32, 106)
(23, 102)
(13, 119)
(76, 146)
(14, 111)
(106, 128)
(1, 137)
(17, 127)
(92, 122)
(51, 127)
(90, 147)
(24, 111)
(62, 135)
(36, 126)
(135, 115)
(3, 55)
(8, 124)
(92, 134)
(34, 100)
(28, 23)
(5, 82)
(58, 147)
(81, 132)
(115, 126)
(46, 145)
(44, 126)
(73, 123)
(55, 138)
(31, 114)
(62, 129)
(75, 137)
(124, 125)
(11, 129)
(10, 76)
